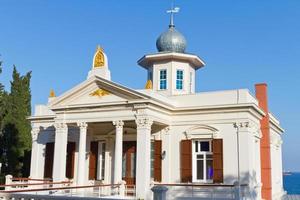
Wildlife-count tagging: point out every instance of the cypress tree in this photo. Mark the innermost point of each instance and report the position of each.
(16, 136)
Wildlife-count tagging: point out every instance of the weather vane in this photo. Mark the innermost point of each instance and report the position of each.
(172, 11)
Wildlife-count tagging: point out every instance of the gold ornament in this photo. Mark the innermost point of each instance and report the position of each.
(52, 93)
(99, 93)
(148, 85)
(98, 58)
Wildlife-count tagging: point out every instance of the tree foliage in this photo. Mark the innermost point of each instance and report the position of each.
(16, 136)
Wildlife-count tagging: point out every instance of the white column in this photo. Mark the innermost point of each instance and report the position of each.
(60, 151)
(34, 165)
(143, 157)
(118, 151)
(81, 167)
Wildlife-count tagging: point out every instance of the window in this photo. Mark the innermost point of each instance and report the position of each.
(101, 160)
(163, 79)
(202, 161)
(179, 79)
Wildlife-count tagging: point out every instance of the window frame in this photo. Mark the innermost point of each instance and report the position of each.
(194, 160)
(165, 79)
(177, 79)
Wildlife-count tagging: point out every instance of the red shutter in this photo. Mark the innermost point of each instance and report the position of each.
(93, 160)
(217, 160)
(186, 161)
(70, 159)
(157, 160)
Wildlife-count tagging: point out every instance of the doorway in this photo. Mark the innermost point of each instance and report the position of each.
(49, 155)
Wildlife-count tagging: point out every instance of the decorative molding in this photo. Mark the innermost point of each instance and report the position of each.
(60, 126)
(143, 122)
(118, 123)
(201, 131)
(35, 133)
(241, 125)
(82, 125)
(99, 93)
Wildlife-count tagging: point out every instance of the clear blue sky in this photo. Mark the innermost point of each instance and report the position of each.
(242, 43)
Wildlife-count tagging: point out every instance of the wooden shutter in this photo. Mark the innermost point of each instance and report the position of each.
(217, 160)
(93, 160)
(70, 159)
(157, 160)
(49, 155)
(186, 161)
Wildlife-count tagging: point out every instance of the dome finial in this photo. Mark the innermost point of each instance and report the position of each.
(172, 11)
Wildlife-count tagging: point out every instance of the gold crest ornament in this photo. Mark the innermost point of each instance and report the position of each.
(52, 93)
(148, 85)
(98, 58)
(99, 93)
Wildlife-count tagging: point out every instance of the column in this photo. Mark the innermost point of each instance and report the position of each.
(118, 151)
(34, 165)
(143, 157)
(60, 151)
(81, 167)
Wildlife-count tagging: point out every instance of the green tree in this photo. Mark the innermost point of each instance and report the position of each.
(16, 137)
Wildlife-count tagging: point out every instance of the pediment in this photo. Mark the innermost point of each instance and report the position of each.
(96, 91)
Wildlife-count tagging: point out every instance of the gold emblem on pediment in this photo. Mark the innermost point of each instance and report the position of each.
(99, 58)
(99, 93)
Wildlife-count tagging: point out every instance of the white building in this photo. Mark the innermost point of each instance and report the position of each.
(101, 131)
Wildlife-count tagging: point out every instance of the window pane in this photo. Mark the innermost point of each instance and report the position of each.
(199, 169)
(196, 146)
(200, 156)
(209, 169)
(163, 84)
(204, 146)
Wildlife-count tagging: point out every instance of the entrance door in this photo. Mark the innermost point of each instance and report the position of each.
(49, 154)
(70, 160)
(129, 162)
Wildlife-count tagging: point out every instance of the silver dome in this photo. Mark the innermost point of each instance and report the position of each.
(171, 41)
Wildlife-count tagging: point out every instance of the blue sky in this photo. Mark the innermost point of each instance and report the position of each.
(242, 43)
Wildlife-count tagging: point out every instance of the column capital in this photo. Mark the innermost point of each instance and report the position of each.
(60, 125)
(82, 124)
(34, 133)
(118, 123)
(143, 122)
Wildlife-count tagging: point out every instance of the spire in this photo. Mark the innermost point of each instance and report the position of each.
(172, 11)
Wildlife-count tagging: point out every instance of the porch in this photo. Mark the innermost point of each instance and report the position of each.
(100, 153)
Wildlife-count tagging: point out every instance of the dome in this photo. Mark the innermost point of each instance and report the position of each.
(171, 41)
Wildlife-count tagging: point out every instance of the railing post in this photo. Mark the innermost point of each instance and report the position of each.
(8, 180)
(237, 191)
(122, 188)
(159, 192)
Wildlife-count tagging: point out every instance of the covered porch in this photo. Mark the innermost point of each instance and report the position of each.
(105, 152)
